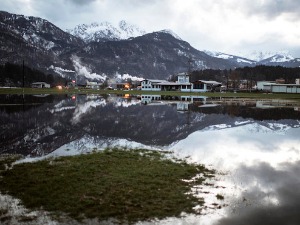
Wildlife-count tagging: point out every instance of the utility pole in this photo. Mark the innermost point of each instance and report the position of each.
(190, 69)
(23, 73)
(190, 73)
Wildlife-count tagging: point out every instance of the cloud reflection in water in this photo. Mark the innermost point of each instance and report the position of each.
(262, 171)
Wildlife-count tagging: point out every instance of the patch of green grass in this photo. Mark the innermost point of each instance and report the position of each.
(128, 185)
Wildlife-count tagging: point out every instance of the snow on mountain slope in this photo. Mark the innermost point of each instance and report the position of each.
(232, 58)
(105, 31)
(280, 56)
(258, 127)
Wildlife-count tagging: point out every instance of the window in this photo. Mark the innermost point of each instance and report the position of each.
(198, 86)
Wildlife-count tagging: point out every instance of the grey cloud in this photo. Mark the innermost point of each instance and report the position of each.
(81, 2)
(271, 8)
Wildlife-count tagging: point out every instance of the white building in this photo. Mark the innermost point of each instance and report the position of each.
(152, 85)
(260, 84)
(282, 88)
(40, 85)
(93, 85)
(182, 84)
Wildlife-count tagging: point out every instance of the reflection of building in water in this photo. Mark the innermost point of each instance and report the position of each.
(264, 104)
(182, 102)
(183, 106)
(147, 99)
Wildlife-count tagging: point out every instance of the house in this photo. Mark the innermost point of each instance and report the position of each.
(182, 84)
(40, 85)
(152, 85)
(93, 85)
(282, 88)
(273, 86)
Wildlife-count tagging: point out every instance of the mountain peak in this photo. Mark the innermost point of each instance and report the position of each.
(282, 57)
(105, 31)
(167, 31)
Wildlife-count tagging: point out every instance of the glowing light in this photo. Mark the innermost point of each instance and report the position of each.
(59, 87)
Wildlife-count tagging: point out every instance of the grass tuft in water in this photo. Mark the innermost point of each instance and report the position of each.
(127, 185)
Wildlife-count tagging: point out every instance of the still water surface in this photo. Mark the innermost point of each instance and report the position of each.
(255, 145)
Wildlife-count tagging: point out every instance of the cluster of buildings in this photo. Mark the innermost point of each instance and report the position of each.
(183, 84)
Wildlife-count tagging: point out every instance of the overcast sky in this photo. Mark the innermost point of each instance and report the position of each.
(230, 26)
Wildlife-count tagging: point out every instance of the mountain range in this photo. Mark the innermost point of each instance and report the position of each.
(101, 50)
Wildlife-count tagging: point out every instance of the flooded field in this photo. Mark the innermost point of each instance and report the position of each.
(254, 145)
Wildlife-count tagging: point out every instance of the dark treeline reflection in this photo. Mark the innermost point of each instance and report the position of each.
(40, 124)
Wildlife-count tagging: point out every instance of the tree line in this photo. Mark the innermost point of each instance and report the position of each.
(13, 75)
(257, 73)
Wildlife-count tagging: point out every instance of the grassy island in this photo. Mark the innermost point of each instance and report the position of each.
(124, 185)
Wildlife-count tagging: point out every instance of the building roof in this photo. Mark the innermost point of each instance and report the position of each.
(272, 84)
(156, 81)
(39, 83)
(210, 82)
(173, 83)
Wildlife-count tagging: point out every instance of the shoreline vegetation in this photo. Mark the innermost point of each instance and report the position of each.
(120, 185)
(44, 91)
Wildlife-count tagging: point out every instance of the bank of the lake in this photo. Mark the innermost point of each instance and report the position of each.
(119, 184)
(44, 91)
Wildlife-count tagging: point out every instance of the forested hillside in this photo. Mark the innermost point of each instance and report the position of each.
(11, 75)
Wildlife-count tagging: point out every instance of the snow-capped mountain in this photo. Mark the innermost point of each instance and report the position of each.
(105, 31)
(280, 56)
(283, 58)
(236, 59)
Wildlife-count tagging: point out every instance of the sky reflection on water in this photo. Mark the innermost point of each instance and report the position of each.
(262, 172)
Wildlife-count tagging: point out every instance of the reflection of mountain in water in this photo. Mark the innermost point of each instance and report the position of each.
(38, 128)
